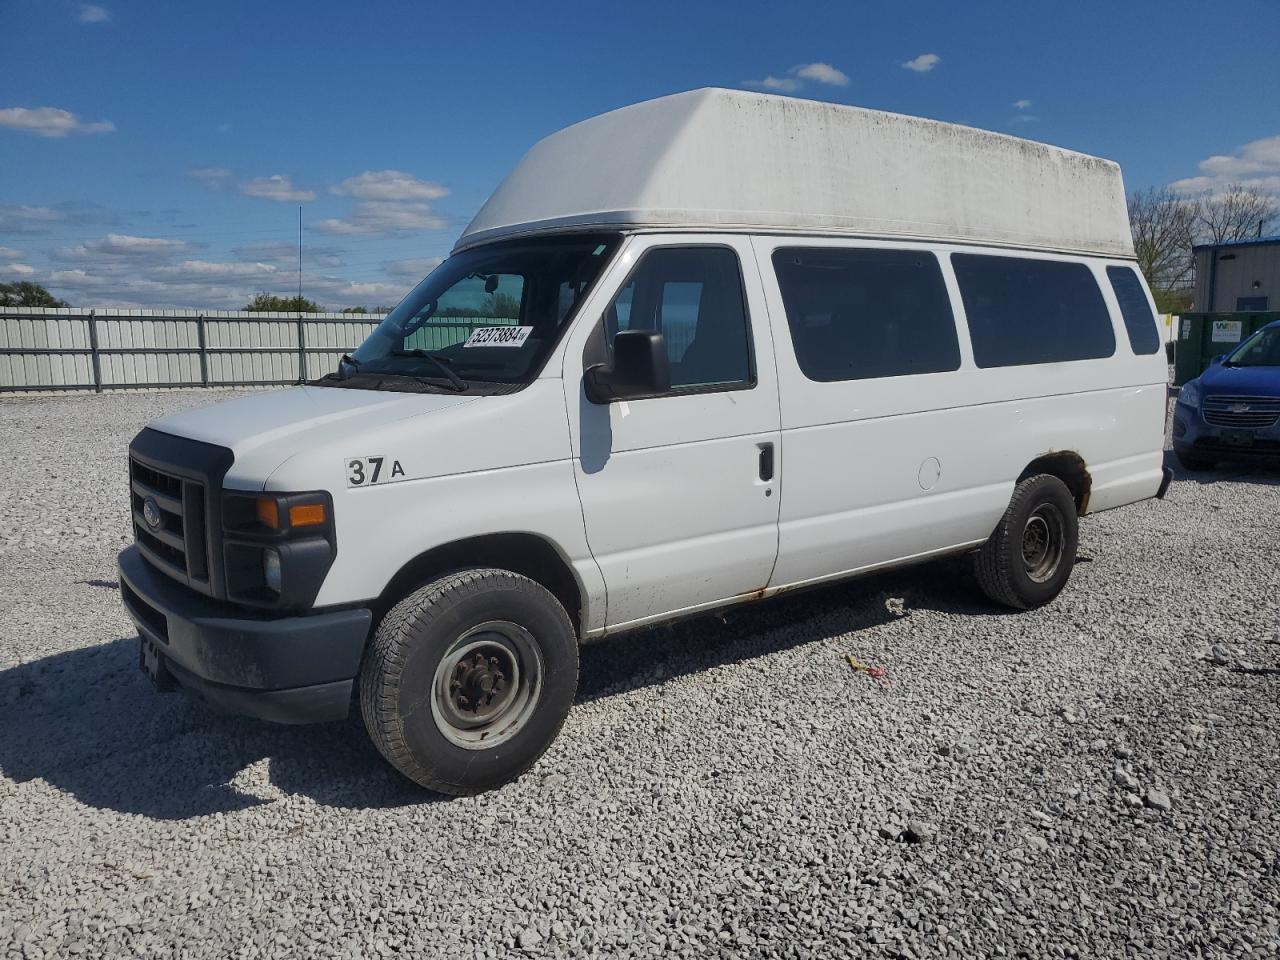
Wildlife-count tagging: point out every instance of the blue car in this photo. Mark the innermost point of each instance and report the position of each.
(1232, 410)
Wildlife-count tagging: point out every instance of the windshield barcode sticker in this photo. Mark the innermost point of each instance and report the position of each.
(498, 337)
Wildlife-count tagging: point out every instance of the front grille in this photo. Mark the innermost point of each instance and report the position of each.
(1248, 412)
(177, 543)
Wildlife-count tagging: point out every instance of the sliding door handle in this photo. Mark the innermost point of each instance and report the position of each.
(766, 461)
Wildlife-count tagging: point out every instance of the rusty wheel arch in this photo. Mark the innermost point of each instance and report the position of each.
(1069, 467)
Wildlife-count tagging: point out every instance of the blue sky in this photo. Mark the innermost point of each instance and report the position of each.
(155, 153)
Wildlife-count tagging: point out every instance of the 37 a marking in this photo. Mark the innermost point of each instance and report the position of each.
(367, 471)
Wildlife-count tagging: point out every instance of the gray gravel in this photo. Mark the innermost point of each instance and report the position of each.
(1098, 778)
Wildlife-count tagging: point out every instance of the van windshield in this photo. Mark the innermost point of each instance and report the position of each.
(482, 322)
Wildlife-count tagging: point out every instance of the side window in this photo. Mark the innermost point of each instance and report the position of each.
(1023, 311)
(1139, 321)
(693, 297)
(855, 314)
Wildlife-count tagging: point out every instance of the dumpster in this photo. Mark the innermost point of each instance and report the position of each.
(1203, 336)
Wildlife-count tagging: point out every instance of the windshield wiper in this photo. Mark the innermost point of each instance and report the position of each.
(442, 363)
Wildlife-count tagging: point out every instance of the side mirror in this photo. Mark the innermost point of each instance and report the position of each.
(639, 369)
(1217, 360)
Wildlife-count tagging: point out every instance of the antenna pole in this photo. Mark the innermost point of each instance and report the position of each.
(299, 259)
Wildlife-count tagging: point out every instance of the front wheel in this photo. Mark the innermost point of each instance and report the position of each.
(469, 679)
(1027, 559)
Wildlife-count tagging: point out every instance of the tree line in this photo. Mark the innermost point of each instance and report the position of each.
(1166, 226)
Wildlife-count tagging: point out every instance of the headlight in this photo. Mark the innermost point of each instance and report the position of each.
(1190, 394)
(271, 569)
(277, 548)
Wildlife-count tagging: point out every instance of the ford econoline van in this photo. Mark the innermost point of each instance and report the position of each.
(691, 353)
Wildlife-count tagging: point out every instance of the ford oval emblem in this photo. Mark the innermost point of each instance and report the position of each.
(151, 513)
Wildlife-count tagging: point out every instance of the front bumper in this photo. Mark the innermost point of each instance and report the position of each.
(296, 669)
(1195, 437)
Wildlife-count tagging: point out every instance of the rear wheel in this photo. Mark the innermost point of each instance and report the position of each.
(1028, 558)
(469, 679)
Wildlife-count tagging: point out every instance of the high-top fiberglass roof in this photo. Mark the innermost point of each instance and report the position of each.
(729, 160)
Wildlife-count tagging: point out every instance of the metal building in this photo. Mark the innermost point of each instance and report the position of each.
(1239, 276)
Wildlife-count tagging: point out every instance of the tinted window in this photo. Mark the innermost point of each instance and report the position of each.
(693, 297)
(1139, 321)
(1032, 311)
(856, 314)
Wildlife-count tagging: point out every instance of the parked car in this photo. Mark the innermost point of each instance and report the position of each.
(1232, 410)
(690, 354)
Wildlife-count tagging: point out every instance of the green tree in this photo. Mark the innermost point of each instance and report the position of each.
(375, 310)
(24, 293)
(270, 303)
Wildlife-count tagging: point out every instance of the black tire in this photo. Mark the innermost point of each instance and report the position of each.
(1190, 461)
(1027, 560)
(410, 698)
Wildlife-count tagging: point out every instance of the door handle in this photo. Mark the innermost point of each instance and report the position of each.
(766, 461)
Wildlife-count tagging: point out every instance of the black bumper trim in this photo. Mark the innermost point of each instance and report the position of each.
(313, 704)
(290, 669)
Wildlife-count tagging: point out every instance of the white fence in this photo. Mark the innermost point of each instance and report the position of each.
(103, 349)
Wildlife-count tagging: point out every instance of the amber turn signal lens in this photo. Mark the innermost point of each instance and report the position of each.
(269, 514)
(307, 515)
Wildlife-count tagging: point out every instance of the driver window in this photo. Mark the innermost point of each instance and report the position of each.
(693, 297)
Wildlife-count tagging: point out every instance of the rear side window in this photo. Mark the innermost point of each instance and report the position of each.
(1139, 321)
(858, 314)
(1023, 311)
(693, 297)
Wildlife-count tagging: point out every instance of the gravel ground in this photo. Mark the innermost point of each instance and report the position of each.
(1098, 778)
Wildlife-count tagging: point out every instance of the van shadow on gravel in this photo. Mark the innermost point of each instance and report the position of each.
(89, 723)
(653, 656)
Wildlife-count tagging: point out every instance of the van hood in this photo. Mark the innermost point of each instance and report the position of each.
(282, 422)
(1241, 381)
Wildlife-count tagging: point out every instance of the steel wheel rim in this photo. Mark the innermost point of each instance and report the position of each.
(1043, 541)
(487, 684)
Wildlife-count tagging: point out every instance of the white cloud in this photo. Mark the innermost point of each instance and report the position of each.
(389, 185)
(795, 78)
(210, 176)
(412, 269)
(1256, 164)
(50, 122)
(1021, 104)
(277, 187)
(126, 271)
(205, 269)
(821, 73)
(10, 253)
(92, 13)
(384, 216)
(781, 84)
(923, 63)
(1024, 118)
(116, 245)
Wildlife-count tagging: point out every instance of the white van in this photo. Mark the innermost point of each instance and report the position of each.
(691, 353)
